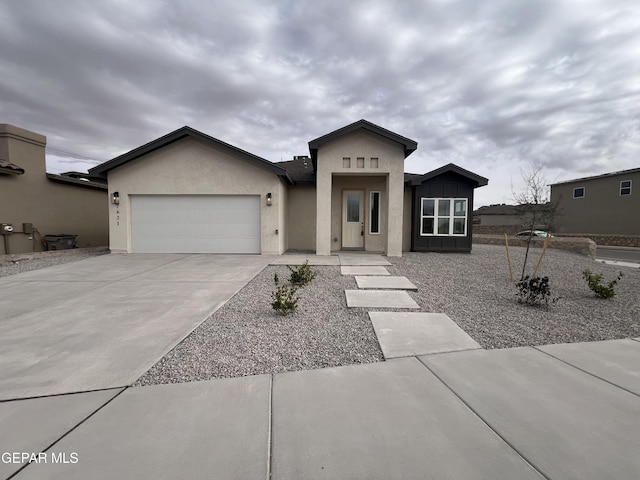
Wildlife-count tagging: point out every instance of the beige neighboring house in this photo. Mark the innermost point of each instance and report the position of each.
(187, 192)
(606, 204)
(34, 203)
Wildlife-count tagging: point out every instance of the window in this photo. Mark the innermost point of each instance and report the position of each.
(346, 162)
(625, 187)
(374, 211)
(578, 192)
(374, 162)
(443, 216)
(360, 162)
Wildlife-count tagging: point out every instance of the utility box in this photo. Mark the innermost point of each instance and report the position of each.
(6, 228)
(27, 228)
(60, 242)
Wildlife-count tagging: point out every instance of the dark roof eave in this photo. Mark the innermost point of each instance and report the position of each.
(477, 179)
(11, 171)
(409, 145)
(102, 169)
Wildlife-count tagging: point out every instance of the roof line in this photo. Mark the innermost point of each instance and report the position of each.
(186, 131)
(603, 175)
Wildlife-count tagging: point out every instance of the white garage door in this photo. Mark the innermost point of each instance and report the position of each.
(195, 224)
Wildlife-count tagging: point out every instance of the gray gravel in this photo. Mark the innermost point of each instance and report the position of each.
(475, 291)
(55, 258)
(246, 337)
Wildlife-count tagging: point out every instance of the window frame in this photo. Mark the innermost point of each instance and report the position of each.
(451, 217)
(584, 192)
(625, 188)
(371, 194)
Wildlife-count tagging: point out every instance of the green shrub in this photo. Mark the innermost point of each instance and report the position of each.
(284, 299)
(534, 291)
(301, 276)
(594, 281)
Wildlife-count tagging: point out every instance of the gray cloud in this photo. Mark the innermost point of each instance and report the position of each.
(487, 85)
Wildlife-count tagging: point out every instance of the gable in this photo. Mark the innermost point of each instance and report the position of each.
(177, 136)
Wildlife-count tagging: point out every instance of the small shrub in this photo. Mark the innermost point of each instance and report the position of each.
(534, 291)
(284, 299)
(594, 281)
(301, 276)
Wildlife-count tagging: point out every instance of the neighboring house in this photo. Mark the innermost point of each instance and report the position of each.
(503, 218)
(33, 201)
(499, 215)
(189, 192)
(606, 204)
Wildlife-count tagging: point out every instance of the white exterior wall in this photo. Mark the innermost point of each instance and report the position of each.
(189, 167)
(390, 164)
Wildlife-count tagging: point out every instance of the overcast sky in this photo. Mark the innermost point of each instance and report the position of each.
(488, 85)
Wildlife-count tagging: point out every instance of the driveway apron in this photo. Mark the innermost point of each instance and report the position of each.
(102, 322)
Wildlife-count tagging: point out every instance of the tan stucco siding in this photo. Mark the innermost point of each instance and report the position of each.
(189, 167)
(53, 208)
(602, 210)
(331, 165)
(302, 218)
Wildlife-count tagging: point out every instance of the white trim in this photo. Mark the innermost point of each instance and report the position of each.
(629, 187)
(451, 216)
(370, 213)
(584, 192)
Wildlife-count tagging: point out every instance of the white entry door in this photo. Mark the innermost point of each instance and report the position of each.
(352, 219)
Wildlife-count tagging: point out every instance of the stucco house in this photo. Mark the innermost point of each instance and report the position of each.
(35, 204)
(602, 204)
(187, 192)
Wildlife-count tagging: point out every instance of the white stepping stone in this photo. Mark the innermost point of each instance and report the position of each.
(406, 334)
(300, 259)
(363, 270)
(362, 259)
(398, 283)
(379, 299)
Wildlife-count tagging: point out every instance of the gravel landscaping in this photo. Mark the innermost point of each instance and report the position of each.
(47, 259)
(475, 291)
(246, 337)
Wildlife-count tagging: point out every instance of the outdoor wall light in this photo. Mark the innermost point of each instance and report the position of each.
(269, 199)
(115, 198)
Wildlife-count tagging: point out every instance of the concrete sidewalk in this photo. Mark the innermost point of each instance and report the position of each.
(555, 412)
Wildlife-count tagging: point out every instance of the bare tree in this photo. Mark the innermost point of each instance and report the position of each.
(533, 203)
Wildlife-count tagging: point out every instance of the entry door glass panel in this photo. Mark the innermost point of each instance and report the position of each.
(353, 219)
(353, 206)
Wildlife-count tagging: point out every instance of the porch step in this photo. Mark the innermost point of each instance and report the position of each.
(379, 299)
(406, 334)
(361, 259)
(382, 282)
(363, 270)
(297, 259)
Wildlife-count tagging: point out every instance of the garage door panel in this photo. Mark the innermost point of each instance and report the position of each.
(195, 224)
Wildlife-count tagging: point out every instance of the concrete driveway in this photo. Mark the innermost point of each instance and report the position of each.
(102, 322)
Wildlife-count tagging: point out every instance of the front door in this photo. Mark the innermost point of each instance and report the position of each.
(352, 219)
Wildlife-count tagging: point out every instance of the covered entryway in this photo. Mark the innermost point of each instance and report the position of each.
(353, 219)
(195, 224)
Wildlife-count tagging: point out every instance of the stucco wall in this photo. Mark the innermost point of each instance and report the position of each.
(189, 167)
(53, 208)
(602, 210)
(302, 218)
(330, 164)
